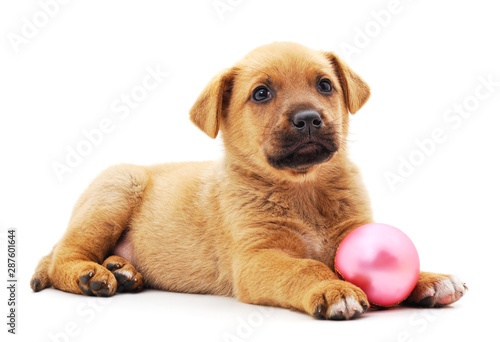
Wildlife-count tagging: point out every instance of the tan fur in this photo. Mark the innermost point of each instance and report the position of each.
(237, 227)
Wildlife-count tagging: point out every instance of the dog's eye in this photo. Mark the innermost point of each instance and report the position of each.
(261, 94)
(325, 86)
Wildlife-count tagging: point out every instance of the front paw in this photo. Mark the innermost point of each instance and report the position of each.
(337, 300)
(436, 290)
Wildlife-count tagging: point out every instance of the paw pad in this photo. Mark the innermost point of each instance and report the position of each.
(97, 283)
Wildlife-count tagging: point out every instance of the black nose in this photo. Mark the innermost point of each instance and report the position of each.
(306, 120)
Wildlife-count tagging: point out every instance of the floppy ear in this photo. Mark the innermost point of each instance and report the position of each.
(207, 110)
(356, 91)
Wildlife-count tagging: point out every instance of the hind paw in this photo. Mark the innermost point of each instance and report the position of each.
(127, 277)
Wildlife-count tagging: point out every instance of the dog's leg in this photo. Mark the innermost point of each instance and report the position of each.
(129, 280)
(99, 218)
(436, 290)
(274, 277)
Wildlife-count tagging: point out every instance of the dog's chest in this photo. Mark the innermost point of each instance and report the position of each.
(306, 215)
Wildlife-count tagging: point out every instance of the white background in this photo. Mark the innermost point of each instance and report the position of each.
(424, 60)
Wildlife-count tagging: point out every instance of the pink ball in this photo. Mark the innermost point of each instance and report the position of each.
(381, 260)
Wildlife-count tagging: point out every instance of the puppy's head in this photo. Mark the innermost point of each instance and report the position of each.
(283, 108)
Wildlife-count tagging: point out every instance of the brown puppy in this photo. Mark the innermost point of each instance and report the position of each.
(264, 223)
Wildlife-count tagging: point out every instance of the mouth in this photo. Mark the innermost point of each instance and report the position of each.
(302, 157)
